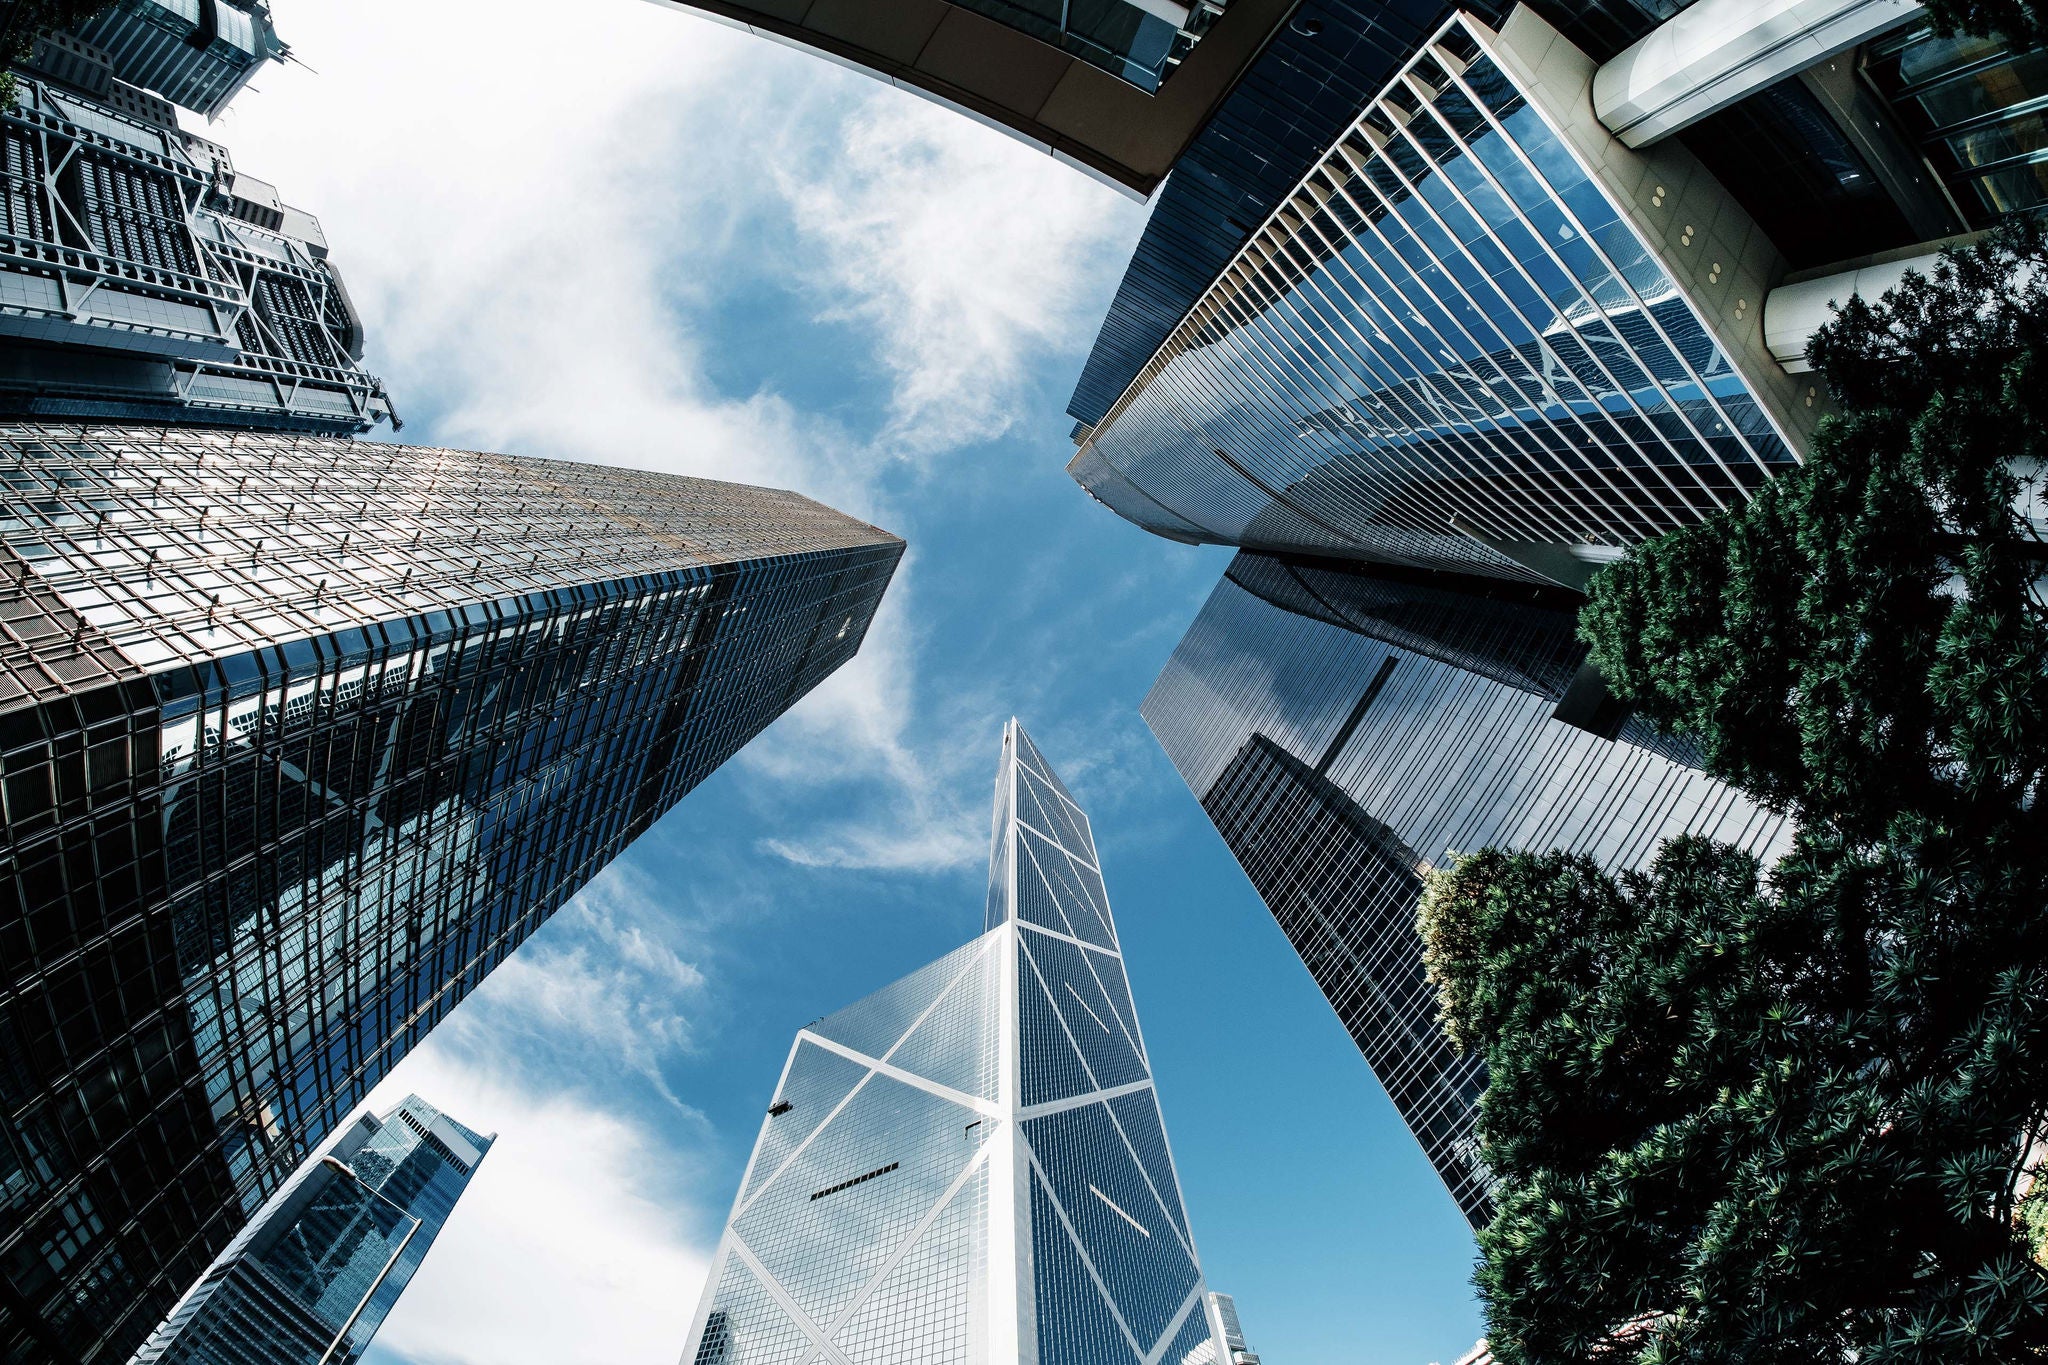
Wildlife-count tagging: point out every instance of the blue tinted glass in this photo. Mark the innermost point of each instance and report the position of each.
(1116, 1219)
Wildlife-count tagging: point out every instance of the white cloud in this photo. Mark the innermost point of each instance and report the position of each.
(539, 210)
(964, 285)
(570, 1244)
(564, 1250)
(522, 209)
(865, 734)
(537, 216)
(604, 988)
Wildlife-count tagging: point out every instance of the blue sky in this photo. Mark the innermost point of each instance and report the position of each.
(615, 232)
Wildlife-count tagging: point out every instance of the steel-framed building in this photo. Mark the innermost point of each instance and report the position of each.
(321, 1265)
(299, 739)
(1347, 728)
(198, 54)
(144, 278)
(1544, 291)
(970, 1164)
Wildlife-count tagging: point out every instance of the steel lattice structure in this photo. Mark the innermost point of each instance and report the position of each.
(970, 1164)
(143, 278)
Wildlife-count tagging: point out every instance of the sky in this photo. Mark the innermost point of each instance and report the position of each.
(617, 232)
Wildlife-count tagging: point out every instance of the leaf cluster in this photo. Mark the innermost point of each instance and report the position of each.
(1738, 1115)
(1738, 1120)
(1865, 636)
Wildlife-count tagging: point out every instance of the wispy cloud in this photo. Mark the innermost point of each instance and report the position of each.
(566, 1248)
(967, 259)
(885, 756)
(551, 232)
(551, 227)
(572, 1244)
(605, 991)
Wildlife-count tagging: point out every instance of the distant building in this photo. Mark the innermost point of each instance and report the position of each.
(969, 1166)
(300, 738)
(1223, 1320)
(314, 1274)
(1478, 1355)
(144, 278)
(1348, 727)
(198, 54)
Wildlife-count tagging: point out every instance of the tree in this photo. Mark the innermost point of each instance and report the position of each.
(1866, 635)
(1789, 1116)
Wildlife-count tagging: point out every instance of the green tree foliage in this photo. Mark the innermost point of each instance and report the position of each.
(1865, 637)
(1754, 1118)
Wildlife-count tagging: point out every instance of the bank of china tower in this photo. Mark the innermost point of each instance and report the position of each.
(969, 1165)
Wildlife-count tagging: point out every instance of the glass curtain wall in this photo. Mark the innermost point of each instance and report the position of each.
(1450, 324)
(1979, 111)
(985, 1128)
(1349, 728)
(300, 738)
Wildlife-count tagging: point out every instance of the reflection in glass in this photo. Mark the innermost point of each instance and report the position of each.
(880, 1216)
(1450, 325)
(1348, 727)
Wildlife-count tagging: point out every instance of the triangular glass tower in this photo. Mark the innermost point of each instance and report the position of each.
(969, 1166)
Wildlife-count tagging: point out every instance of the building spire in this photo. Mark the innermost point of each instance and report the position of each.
(973, 1158)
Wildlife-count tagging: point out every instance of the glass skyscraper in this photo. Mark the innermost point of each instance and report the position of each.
(1347, 728)
(320, 1266)
(1223, 1313)
(1464, 341)
(969, 1165)
(299, 738)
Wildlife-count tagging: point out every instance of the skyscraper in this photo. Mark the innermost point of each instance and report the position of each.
(1223, 1314)
(299, 738)
(1346, 728)
(1470, 339)
(969, 1165)
(145, 278)
(1542, 286)
(314, 1274)
(197, 54)
(1512, 288)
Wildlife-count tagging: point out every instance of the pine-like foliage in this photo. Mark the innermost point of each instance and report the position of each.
(1789, 1116)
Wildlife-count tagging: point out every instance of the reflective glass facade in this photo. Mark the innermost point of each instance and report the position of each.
(300, 737)
(1347, 728)
(1774, 151)
(1451, 329)
(1223, 1313)
(970, 1165)
(315, 1273)
(1140, 43)
(1978, 111)
(1309, 82)
(142, 278)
